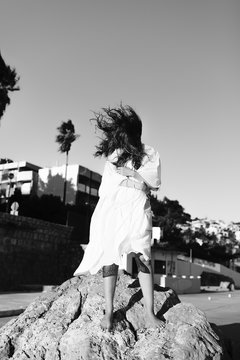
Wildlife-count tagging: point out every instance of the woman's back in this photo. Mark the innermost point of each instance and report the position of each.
(150, 170)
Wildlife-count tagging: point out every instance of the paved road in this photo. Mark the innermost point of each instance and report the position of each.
(221, 308)
(14, 304)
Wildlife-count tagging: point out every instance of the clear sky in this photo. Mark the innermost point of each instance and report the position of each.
(176, 62)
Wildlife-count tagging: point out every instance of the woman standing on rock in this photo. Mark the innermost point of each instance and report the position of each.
(122, 220)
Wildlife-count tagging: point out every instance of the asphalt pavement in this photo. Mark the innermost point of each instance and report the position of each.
(13, 304)
(221, 308)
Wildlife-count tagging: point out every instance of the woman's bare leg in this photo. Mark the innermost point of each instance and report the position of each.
(109, 284)
(146, 281)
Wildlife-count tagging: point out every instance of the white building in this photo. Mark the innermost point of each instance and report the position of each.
(82, 183)
(29, 179)
(20, 175)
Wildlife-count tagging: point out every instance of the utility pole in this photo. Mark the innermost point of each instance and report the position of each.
(10, 177)
(190, 262)
(65, 180)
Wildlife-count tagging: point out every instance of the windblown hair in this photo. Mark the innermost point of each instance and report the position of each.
(122, 129)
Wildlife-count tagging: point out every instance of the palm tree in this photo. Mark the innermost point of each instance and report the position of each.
(8, 82)
(65, 138)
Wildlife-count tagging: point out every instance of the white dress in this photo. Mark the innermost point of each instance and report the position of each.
(122, 220)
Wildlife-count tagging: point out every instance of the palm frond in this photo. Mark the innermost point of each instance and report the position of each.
(66, 136)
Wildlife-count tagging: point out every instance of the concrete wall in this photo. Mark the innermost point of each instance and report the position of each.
(34, 251)
(173, 277)
(197, 267)
(51, 181)
(188, 269)
(183, 276)
(182, 285)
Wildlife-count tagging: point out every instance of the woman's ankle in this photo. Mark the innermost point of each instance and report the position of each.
(149, 311)
(107, 321)
(108, 310)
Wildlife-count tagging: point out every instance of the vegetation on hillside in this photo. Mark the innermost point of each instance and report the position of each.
(177, 233)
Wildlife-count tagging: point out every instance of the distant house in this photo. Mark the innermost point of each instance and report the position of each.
(20, 175)
(30, 179)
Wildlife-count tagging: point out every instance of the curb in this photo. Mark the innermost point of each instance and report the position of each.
(8, 313)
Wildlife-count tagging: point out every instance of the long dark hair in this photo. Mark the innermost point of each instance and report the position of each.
(122, 129)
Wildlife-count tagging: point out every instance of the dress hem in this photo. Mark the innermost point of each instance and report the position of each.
(94, 272)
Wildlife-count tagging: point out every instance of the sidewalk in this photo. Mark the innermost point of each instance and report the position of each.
(13, 304)
(220, 308)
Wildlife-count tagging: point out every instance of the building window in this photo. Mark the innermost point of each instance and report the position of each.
(3, 189)
(5, 175)
(83, 179)
(160, 267)
(94, 192)
(95, 184)
(82, 187)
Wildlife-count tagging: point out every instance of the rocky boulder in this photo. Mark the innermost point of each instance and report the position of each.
(64, 324)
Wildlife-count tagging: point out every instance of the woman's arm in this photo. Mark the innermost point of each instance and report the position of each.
(125, 171)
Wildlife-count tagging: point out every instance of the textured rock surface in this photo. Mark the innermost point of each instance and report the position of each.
(64, 324)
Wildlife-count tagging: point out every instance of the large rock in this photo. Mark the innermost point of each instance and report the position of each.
(64, 324)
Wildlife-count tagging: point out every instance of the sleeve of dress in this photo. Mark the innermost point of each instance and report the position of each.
(150, 169)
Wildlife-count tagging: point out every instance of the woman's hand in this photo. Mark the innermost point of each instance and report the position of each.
(125, 171)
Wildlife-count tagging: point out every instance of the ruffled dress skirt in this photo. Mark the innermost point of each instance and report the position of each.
(121, 224)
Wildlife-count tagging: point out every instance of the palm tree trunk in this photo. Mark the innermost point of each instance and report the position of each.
(65, 180)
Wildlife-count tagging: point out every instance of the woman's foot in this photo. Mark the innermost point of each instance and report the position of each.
(154, 321)
(107, 321)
